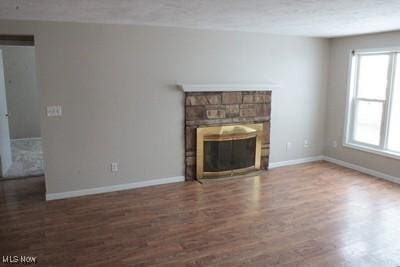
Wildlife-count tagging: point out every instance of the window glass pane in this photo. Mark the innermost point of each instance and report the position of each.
(367, 122)
(394, 126)
(372, 80)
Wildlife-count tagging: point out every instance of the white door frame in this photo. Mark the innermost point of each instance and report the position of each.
(5, 143)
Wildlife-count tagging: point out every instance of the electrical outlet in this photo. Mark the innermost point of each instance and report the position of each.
(334, 144)
(288, 146)
(306, 143)
(114, 166)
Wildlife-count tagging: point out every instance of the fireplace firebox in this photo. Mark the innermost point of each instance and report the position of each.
(228, 150)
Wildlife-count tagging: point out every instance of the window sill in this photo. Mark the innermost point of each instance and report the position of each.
(384, 153)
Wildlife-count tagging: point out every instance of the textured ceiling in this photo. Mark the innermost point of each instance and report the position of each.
(322, 18)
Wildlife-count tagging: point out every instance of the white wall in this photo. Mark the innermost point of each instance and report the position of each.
(340, 49)
(22, 93)
(116, 84)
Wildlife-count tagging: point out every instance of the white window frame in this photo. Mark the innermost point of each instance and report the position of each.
(351, 100)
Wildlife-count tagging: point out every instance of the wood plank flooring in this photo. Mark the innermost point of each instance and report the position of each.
(316, 214)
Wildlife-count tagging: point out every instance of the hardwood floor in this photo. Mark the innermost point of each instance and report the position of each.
(316, 214)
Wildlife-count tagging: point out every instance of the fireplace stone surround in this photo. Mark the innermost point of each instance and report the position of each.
(217, 106)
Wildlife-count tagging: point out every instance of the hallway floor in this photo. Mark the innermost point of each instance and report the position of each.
(27, 158)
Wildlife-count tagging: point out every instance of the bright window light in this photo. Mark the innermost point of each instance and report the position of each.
(394, 124)
(373, 112)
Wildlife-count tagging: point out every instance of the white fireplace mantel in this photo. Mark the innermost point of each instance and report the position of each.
(227, 87)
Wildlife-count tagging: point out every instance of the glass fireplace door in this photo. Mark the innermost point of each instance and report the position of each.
(228, 150)
(225, 156)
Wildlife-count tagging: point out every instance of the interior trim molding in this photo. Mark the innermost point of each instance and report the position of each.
(342, 163)
(112, 188)
(359, 168)
(273, 165)
(227, 87)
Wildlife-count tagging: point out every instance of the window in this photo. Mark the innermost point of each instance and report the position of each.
(373, 110)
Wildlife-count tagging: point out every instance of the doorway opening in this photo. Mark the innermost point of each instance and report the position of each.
(20, 132)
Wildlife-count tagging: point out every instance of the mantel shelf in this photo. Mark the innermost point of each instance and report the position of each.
(227, 87)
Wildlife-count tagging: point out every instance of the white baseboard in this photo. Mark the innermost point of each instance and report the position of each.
(112, 188)
(363, 169)
(274, 165)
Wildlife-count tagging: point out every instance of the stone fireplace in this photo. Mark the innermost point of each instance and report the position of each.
(226, 130)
